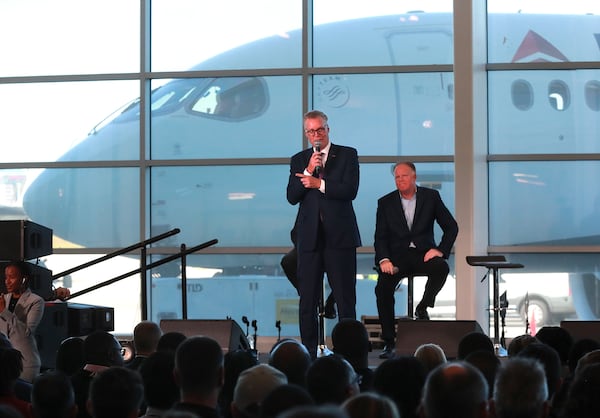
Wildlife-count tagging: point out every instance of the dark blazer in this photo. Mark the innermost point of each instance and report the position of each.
(392, 236)
(341, 175)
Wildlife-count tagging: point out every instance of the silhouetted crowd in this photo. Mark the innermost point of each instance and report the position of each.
(171, 375)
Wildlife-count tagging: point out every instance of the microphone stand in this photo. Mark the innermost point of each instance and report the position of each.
(527, 313)
(255, 328)
(278, 326)
(503, 306)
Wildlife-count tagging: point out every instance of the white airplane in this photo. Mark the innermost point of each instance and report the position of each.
(258, 117)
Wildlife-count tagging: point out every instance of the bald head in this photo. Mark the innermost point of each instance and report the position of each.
(292, 358)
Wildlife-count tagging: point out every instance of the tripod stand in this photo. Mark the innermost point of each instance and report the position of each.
(322, 349)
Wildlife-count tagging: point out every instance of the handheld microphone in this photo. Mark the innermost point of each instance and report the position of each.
(317, 149)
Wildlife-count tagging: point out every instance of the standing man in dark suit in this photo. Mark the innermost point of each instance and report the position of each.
(405, 244)
(324, 180)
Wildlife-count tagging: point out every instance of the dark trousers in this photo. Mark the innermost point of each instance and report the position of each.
(340, 266)
(412, 262)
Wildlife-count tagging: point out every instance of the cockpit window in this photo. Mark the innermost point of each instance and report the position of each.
(522, 94)
(233, 98)
(559, 95)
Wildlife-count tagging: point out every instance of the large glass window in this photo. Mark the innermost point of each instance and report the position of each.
(68, 121)
(241, 206)
(544, 203)
(86, 207)
(548, 31)
(548, 289)
(236, 117)
(233, 34)
(544, 112)
(357, 33)
(69, 37)
(400, 114)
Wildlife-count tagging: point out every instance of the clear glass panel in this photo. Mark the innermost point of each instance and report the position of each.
(544, 203)
(236, 285)
(124, 295)
(86, 207)
(235, 117)
(224, 35)
(238, 205)
(413, 38)
(549, 289)
(542, 31)
(13, 184)
(67, 121)
(544, 112)
(69, 37)
(401, 114)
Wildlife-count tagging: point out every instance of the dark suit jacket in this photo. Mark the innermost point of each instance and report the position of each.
(392, 236)
(341, 175)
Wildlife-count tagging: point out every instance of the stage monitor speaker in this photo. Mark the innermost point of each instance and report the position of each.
(582, 329)
(447, 334)
(24, 240)
(226, 332)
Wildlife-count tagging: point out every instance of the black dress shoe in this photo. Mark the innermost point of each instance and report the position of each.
(329, 311)
(387, 352)
(421, 314)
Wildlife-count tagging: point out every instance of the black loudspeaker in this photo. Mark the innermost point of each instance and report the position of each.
(51, 331)
(447, 334)
(226, 332)
(62, 320)
(85, 319)
(582, 329)
(24, 240)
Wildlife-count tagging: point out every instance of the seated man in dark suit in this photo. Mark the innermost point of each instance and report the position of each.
(405, 244)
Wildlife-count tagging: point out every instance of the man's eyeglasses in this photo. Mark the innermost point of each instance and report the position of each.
(319, 131)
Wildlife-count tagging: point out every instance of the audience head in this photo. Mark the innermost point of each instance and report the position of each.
(235, 362)
(252, 386)
(102, 348)
(583, 400)
(169, 341)
(292, 358)
(487, 363)
(474, 341)
(350, 340)
(370, 405)
(519, 343)
(401, 379)
(455, 389)
(579, 349)
(7, 411)
(558, 338)
(548, 357)
(11, 367)
(117, 392)
(331, 379)
(160, 389)
(70, 355)
(520, 389)
(430, 355)
(315, 411)
(145, 337)
(592, 357)
(199, 367)
(52, 396)
(284, 398)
